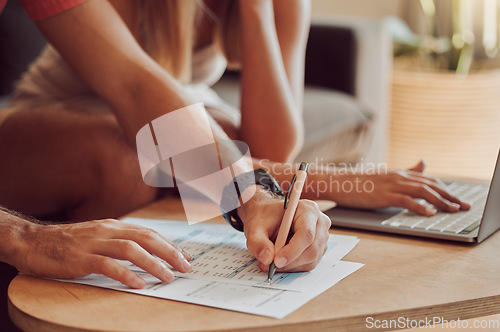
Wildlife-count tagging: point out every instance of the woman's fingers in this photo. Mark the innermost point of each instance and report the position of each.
(311, 256)
(304, 228)
(440, 189)
(309, 241)
(436, 185)
(259, 244)
(419, 168)
(407, 202)
(417, 190)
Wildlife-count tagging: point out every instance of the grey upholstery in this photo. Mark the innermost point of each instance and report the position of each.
(337, 126)
(346, 94)
(372, 76)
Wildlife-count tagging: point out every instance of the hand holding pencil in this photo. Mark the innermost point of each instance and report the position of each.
(308, 233)
(291, 202)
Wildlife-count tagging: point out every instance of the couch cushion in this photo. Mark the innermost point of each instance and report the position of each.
(331, 56)
(337, 126)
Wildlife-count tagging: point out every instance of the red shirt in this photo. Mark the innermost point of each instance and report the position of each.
(40, 9)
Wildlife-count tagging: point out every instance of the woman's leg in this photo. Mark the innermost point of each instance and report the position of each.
(227, 122)
(71, 164)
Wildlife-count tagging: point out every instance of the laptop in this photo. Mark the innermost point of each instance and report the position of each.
(475, 225)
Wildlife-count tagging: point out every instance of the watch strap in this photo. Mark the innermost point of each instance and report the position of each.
(231, 193)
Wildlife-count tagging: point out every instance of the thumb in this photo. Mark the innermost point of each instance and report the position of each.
(419, 167)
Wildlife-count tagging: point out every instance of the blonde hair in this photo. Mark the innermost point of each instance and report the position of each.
(167, 31)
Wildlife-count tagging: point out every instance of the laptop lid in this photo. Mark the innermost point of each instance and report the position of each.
(491, 217)
(372, 219)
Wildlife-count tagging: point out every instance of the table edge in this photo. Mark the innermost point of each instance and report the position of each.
(467, 309)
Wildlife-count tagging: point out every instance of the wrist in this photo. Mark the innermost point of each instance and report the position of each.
(323, 185)
(247, 187)
(17, 236)
(261, 196)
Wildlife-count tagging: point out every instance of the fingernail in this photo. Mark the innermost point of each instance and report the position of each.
(454, 207)
(186, 255)
(138, 283)
(431, 211)
(280, 262)
(185, 264)
(169, 275)
(263, 255)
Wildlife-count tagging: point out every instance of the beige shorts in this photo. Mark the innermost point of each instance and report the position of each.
(215, 108)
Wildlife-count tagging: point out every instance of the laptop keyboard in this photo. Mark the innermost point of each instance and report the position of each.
(459, 222)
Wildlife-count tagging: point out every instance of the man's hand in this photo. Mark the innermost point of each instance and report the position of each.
(308, 236)
(76, 250)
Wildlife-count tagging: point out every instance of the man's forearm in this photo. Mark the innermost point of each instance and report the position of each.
(13, 228)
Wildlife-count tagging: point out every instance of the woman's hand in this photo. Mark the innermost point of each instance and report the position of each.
(262, 217)
(397, 188)
(76, 250)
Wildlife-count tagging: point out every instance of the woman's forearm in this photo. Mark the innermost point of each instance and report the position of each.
(100, 48)
(97, 44)
(271, 117)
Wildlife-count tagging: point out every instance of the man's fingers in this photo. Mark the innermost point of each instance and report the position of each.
(157, 245)
(110, 268)
(131, 251)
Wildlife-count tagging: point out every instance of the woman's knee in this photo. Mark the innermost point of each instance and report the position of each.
(68, 161)
(118, 179)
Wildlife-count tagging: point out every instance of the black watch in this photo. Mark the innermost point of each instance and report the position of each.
(231, 197)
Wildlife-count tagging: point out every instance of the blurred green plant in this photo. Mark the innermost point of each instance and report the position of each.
(455, 51)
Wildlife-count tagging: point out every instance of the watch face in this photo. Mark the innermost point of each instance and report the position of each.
(266, 180)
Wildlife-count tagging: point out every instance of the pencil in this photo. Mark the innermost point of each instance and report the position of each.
(291, 201)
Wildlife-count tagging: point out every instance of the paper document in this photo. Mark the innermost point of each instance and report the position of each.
(218, 253)
(225, 275)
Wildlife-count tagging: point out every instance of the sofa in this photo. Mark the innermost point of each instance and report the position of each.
(347, 74)
(347, 89)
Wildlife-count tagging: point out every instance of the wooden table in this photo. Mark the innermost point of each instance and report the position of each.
(403, 277)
